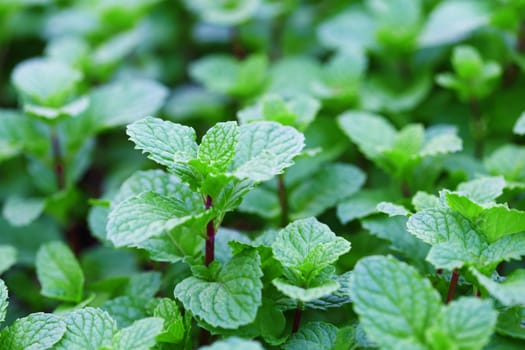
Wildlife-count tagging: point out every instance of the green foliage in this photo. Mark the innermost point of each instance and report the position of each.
(306, 175)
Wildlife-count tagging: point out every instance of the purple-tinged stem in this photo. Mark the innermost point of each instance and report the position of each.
(452, 286)
(283, 200)
(297, 318)
(58, 161)
(210, 236)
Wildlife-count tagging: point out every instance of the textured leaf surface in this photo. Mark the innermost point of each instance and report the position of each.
(164, 142)
(87, 329)
(467, 322)
(265, 149)
(519, 127)
(8, 256)
(392, 209)
(169, 311)
(394, 303)
(359, 205)
(484, 189)
(125, 310)
(22, 211)
(313, 336)
(138, 336)
(509, 292)
(305, 294)
(124, 102)
(38, 331)
(59, 273)
(308, 246)
(372, 133)
(217, 147)
(3, 300)
(503, 161)
(325, 189)
(150, 214)
(231, 299)
(234, 343)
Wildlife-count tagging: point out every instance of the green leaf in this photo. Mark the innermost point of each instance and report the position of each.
(394, 303)
(506, 161)
(216, 72)
(451, 21)
(392, 209)
(150, 214)
(156, 181)
(313, 336)
(143, 285)
(509, 292)
(138, 336)
(45, 82)
(261, 201)
(264, 150)
(483, 190)
(372, 133)
(233, 343)
(305, 294)
(231, 298)
(164, 141)
(361, 204)
(422, 200)
(338, 298)
(506, 248)
(325, 189)
(125, 101)
(308, 246)
(38, 331)
(468, 323)
(519, 127)
(87, 329)
(3, 300)
(125, 310)
(8, 256)
(23, 211)
(59, 272)
(217, 147)
(174, 329)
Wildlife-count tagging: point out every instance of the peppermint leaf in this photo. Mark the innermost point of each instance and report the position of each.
(313, 336)
(217, 148)
(519, 127)
(23, 211)
(305, 294)
(509, 292)
(38, 331)
(3, 300)
(8, 256)
(156, 181)
(173, 331)
(233, 343)
(87, 329)
(59, 273)
(138, 336)
(164, 141)
(228, 300)
(394, 303)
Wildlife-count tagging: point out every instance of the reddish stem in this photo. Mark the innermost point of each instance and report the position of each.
(58, 162)
(452, 286)
(210, 236)
(297, 318)
(283, 200)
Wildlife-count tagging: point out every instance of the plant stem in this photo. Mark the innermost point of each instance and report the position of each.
(58, 161)
(237, 47)
(452, 286)
(205, 337)
(210, 236)
(283, 200)
(478, 127)
(297, 317)
(512, 70)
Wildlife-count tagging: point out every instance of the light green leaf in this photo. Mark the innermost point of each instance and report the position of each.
(261, 201)
(59, 273)
(233, 343)
(499, 221)
(143, 285)
(23, 211)
(164, 141)
(174, 329)
(125, 310)
(181, 242)
(338, 298)
(519, 127)
(216, 72)
(394, 303)
(327, 187)
(484, 189)
(231, 298)
(72, 109)
(422, 200)
(360, 205)
(507, 161)
(125, 101)
(305, 294)
(156, 181)
(138, 336)
(8, 256)
(313, 336)
(38, 331)
(3, 300)
(217, 147)
(45, 82)
(150, 214)
(308, 246)
(451, 21)
(392, 209)
(264, 150)
(87, 329)
(441, 143)
(509, 292)
(372, 133)
(505, 249)
(467, 322)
